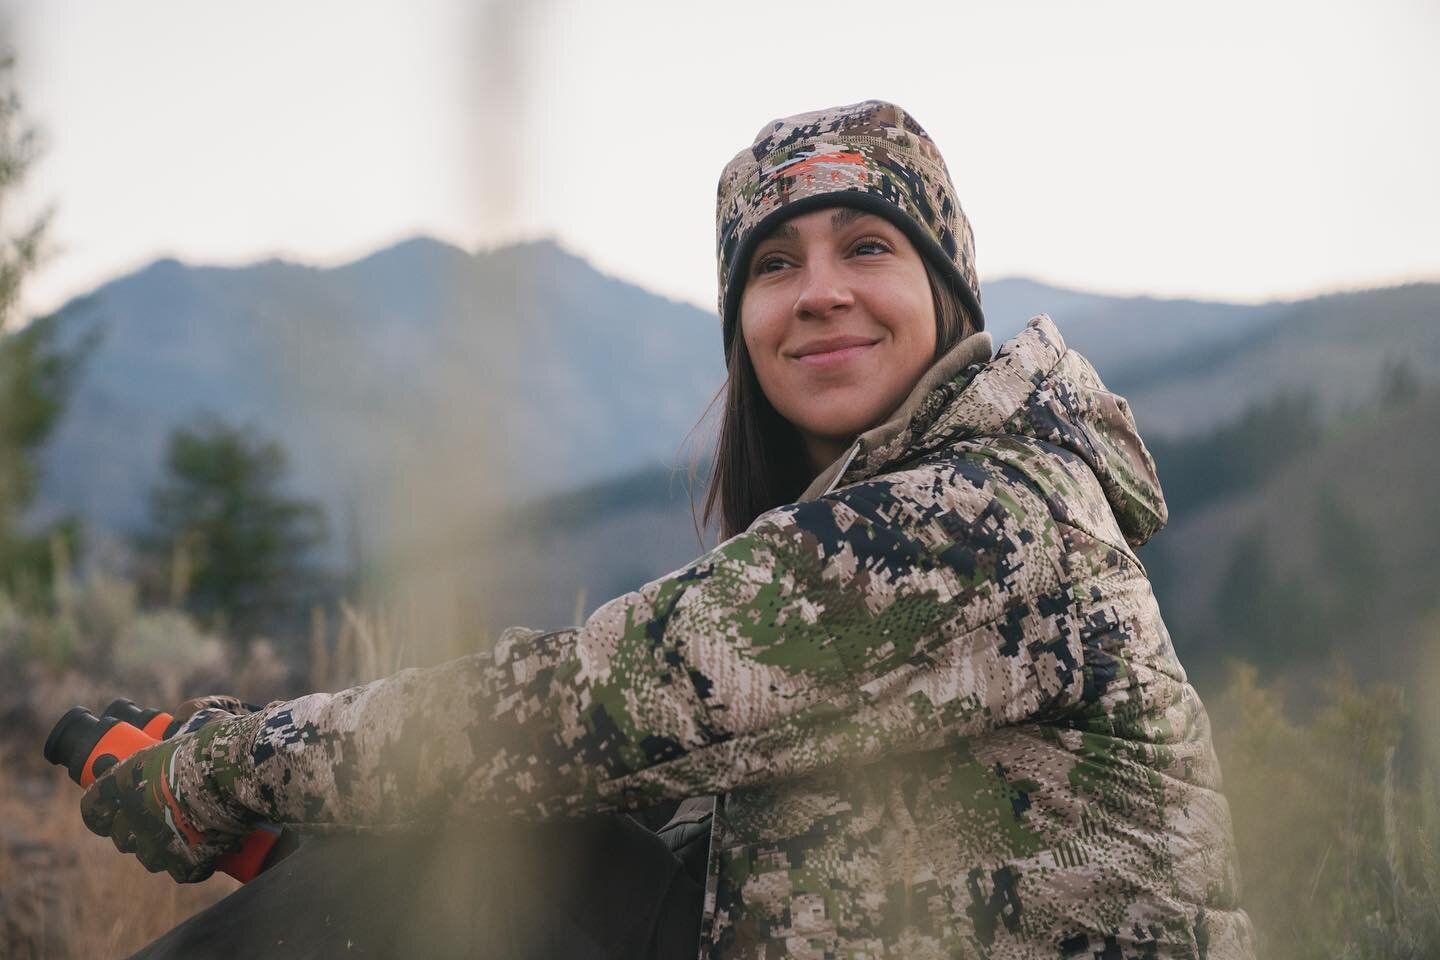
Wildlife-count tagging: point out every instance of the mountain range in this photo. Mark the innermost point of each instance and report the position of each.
(418, 380)
(421, 387)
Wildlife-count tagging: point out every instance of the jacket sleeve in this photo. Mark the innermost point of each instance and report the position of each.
(836, 630)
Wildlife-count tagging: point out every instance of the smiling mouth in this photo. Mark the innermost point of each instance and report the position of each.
(834, 356)
(830, 358)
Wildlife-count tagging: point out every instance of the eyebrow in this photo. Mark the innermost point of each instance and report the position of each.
(786, 231)
(841, 217)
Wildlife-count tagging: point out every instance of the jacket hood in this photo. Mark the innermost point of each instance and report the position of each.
(1034, 387)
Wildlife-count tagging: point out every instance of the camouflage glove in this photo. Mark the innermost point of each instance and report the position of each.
(157, 805)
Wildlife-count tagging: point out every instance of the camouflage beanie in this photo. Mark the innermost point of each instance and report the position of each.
(870, 155)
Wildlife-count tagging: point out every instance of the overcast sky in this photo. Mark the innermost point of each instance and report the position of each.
(1235, 150)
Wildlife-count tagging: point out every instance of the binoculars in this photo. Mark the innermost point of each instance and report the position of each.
(87, 746)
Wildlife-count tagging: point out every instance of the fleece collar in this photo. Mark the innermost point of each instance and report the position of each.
(1033, 387)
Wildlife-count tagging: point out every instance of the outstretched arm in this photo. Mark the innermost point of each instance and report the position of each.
(832, 631)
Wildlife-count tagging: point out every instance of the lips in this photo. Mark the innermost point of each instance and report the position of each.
(830, 350)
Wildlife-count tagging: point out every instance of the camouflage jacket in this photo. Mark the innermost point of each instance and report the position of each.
(936, 694)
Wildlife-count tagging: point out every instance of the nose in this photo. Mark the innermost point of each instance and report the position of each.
(823, 289)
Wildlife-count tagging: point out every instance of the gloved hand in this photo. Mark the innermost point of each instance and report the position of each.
(159, 805)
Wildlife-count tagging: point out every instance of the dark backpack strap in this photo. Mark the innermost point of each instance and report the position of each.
(688, 835)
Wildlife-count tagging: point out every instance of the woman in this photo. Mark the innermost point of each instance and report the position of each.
(925, 672)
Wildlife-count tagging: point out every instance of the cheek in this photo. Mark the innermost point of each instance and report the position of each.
(754, 315)
(761, 335)
(767, 374)
(916, 325)
(930, 339)
(925, 310)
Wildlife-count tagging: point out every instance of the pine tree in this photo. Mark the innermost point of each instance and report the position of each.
(34, 373)
(234, 545)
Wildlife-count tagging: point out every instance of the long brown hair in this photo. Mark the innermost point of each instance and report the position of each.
(759, 459)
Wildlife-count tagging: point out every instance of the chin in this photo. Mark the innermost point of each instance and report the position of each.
(838, 416)
(842, 432)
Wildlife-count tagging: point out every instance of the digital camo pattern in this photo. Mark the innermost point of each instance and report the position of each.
(1034, 387)
(875, 155)
(940, 701)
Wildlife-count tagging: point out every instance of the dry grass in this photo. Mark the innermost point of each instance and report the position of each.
(65, 892)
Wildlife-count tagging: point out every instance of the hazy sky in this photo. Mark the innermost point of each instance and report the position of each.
(1233, 150)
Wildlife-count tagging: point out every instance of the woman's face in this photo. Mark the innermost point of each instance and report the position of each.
(839, 321)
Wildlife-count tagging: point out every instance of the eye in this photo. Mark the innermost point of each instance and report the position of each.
(768, 263)
(870, 246)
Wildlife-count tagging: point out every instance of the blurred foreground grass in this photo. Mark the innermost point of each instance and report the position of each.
(1336, 820)
(65, 892)
(1336, 816)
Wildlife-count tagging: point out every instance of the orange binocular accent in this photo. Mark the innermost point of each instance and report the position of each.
(153, 723)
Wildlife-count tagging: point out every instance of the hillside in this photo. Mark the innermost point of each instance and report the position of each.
(1121, 334)
(1334, 348)
(1336, 556)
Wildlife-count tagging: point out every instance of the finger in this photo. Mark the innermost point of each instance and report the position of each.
(99, 806)
(190, 873)
(186, 864)
(214, 701)
(152, 860)
(156, 848)
(121, 835)
(188, 709)
(202, 717)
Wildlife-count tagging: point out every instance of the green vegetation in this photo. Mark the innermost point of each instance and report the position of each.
(1292, 538)
(19, 249)
(34, 379)
(34, 373)
(1300, 550)
(1338, 842)
(1237, 455)
(1262, 614)
(231, 545)
(1271, 616)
